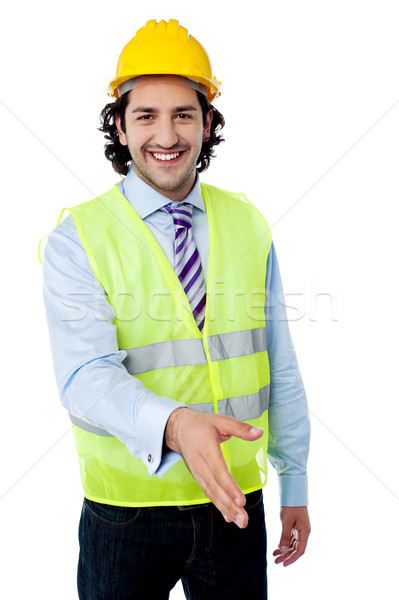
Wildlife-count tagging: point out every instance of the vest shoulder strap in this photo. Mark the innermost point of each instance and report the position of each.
(238, 201)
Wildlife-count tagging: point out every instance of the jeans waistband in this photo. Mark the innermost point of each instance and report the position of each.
(205, 504)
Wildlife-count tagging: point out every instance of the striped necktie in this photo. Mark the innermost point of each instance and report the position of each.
(187, 261)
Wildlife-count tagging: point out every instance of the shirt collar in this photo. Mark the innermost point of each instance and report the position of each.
(145, 200)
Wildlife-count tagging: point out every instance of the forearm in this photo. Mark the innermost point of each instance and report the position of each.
(104, 395)
(289, 426)
(289, 430)
(93, 383)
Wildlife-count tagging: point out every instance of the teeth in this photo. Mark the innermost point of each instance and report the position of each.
(166, 156)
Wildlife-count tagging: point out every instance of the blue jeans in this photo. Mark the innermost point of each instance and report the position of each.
(141, 553)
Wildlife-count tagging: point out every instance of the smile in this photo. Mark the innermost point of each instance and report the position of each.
(164, 157)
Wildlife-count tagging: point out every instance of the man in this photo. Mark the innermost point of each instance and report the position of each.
(172, 353)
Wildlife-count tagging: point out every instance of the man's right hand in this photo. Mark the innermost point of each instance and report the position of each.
(197, 437)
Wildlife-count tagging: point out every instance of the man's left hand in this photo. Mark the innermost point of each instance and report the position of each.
(294, 536)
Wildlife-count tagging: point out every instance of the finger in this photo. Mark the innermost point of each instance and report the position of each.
(227, 519)
(293, 557)
(285, 539)
(218, 484)
(228, 504)
(223, 480)
(230, 510)
(223, 493)
(286, 552)
(299, 550)
(228, 427)
(215, 464)
(296, 551)
(197, 437)
(282, 558)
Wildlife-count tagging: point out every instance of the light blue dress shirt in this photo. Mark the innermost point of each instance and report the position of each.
(95, 386)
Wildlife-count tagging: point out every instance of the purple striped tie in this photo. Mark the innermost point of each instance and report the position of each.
(187, 261)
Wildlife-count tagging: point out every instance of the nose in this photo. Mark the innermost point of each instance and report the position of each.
(165, 133)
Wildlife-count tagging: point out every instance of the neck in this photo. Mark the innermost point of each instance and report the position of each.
(177, 194)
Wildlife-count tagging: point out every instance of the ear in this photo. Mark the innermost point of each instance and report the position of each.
(207, 127)
(121, 133)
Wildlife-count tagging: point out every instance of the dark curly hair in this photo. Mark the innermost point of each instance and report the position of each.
(119, 155)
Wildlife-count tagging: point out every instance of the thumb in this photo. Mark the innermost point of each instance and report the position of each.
(285, 540)
(254, 433)
(243, 430)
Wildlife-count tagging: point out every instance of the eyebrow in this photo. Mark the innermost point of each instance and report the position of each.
(150, 109)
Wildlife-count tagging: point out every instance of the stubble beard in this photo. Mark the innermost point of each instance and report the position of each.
(150, 178)
(161, 185)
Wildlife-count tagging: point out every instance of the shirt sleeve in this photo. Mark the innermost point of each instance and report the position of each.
(93, 383)
(289, 425)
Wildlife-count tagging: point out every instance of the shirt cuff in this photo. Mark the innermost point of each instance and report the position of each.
(153, 418)
(168, 460)
(293, 490)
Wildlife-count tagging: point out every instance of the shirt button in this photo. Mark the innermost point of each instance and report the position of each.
(150, 457)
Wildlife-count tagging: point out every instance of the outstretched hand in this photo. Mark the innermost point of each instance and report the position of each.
(294, 536)
(197, 437)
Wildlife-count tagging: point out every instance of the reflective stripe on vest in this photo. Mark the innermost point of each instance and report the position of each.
(243, 408)
(180, 353)
(237, 343)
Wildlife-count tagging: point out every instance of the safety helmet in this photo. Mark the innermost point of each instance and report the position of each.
(164, 48)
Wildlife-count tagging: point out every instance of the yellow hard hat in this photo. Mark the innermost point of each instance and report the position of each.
(164, 48)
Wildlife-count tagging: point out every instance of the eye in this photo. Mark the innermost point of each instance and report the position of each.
(145, 117)
(183, 116)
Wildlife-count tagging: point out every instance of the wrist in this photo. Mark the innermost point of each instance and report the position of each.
(170, 435)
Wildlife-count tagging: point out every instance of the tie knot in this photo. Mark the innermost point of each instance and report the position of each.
(182, 215)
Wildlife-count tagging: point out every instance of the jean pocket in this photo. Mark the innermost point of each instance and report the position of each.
(118, 516)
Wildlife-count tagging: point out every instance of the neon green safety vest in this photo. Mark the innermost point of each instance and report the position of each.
(224, 370)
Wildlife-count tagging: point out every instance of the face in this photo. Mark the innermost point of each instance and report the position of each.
(164, 134)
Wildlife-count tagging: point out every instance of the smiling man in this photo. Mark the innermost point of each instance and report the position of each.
(172, 351)
(164, 131)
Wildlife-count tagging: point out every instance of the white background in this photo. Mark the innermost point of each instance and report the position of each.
(311, 100)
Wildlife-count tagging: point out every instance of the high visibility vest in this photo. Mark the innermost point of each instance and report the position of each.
(224, 369)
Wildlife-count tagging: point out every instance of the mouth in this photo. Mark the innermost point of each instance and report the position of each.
(166, 158)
